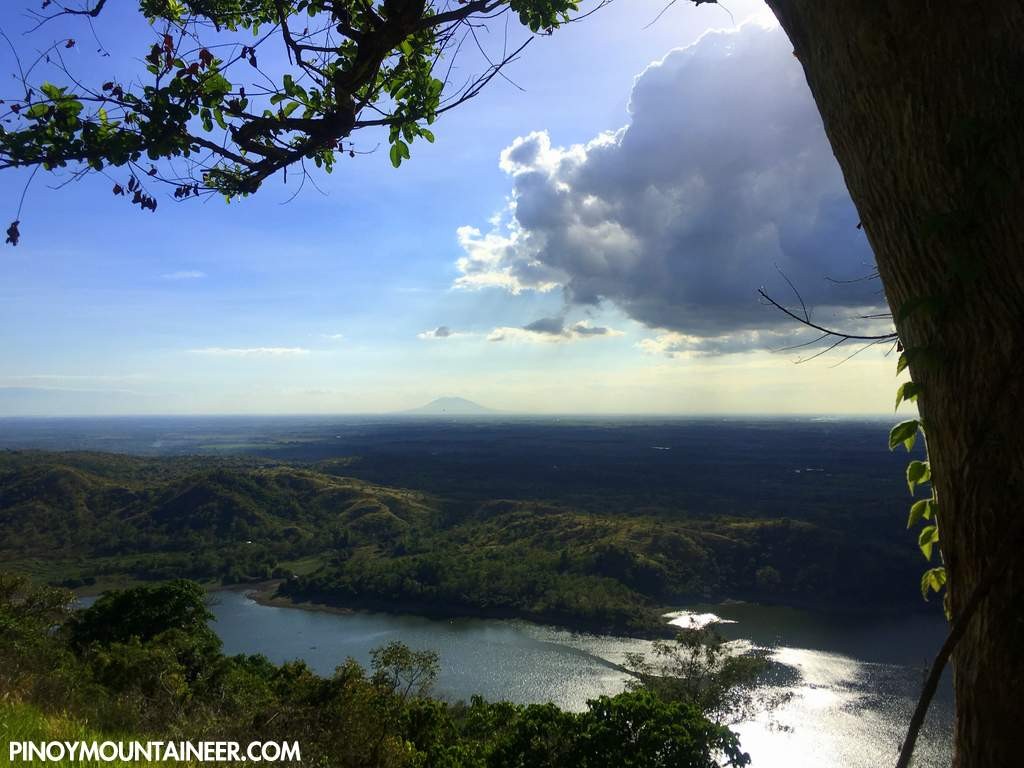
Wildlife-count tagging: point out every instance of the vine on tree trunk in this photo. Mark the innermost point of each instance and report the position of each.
(919, 473)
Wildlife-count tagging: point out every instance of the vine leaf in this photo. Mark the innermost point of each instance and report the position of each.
(933, 580)
(918, 473)
(928, 538)
(905, 434)
(923, 509)
(908, 391)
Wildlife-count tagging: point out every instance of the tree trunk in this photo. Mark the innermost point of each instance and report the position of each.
(923, 103)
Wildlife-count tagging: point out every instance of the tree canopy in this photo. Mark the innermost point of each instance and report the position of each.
(156, 674)
(234, 91)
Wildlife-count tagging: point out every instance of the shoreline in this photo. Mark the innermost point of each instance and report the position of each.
(265, 593)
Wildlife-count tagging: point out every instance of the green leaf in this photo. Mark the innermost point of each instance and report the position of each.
(902, 363)
(933, 580)
(905, 434)
(908, 391)
(923, 509)
(396, 155)
(52, 91)
(216, 86)
(918, 473)
(927, 539)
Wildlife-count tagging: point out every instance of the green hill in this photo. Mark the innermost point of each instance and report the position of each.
(89, 519)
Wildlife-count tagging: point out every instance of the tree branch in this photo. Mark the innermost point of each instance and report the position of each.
(826, 331)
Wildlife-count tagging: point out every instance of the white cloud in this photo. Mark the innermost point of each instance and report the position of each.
(723, 178)
(82, 390)
(681, 345)
(441, 332)
(72, 377)
(186, 274)
(251, 351)
(333, 336)
(498, 260)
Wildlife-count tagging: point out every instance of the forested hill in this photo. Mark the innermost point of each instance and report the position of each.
(85, 518)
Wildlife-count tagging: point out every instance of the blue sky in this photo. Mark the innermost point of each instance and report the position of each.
(576, 267)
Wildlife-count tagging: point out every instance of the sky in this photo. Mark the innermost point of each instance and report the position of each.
(588, 238)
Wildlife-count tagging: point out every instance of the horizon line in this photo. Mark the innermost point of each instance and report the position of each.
(493, 413)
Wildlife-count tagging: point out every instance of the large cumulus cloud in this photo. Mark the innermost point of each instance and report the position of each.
(722, 179)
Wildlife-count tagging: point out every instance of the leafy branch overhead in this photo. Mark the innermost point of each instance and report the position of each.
(235, 91)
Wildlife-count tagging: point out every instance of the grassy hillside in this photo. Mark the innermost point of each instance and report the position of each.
(21, 721)
(87, 518)
(91, 515)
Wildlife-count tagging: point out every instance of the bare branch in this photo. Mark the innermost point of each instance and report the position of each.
(807, 316)
(826, 331)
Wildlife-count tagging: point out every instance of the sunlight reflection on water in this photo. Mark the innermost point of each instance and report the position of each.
(845, 712)
(691, 620)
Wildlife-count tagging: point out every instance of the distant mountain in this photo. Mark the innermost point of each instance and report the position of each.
(451, 406)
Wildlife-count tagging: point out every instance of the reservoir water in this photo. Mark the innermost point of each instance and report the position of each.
(857, 681)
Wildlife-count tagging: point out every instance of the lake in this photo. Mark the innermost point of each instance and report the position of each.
(858, 679)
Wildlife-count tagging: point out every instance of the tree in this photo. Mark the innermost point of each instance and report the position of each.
(922, 104)
(143, 613)
(634, 730)
(28, 614)
(697, 668)
(630, 730)
(404, 672)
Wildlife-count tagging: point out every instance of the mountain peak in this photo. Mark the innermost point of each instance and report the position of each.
(451, 406)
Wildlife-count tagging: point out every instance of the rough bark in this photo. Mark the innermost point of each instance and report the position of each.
(923, 103)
